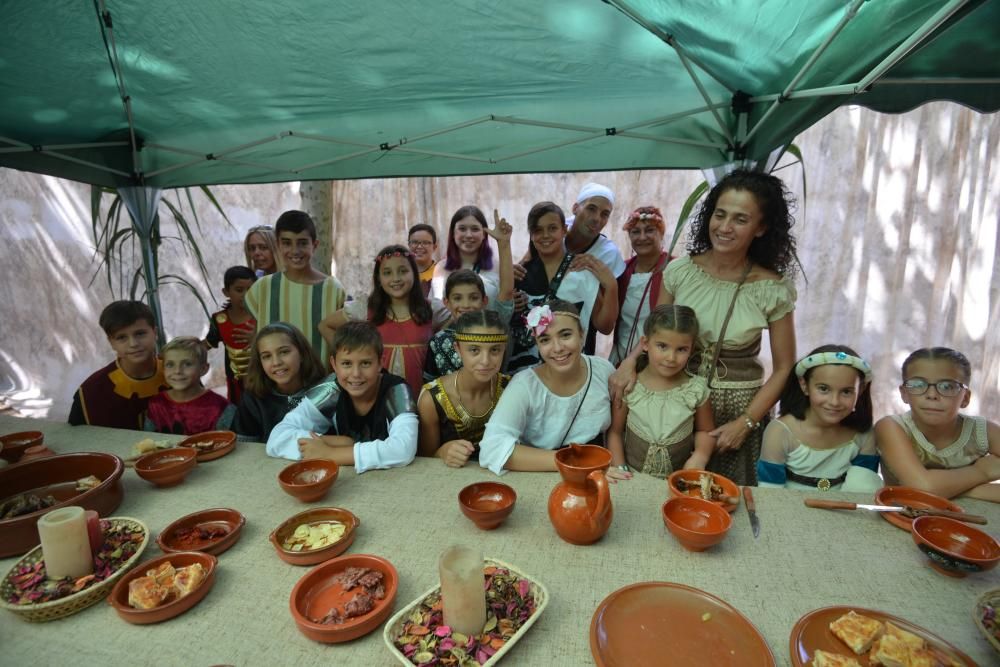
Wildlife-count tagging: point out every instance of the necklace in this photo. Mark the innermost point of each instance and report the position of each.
(458, 397)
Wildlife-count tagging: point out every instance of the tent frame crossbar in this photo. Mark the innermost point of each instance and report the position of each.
(22, 147)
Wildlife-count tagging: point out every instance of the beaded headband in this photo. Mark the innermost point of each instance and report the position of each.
(480, 338)
(834, 359)
(394, 253)
(539, 318)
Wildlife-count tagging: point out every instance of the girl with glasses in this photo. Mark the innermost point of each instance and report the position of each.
(934, 447)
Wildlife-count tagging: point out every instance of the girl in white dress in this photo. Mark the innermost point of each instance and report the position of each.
(563, 400)
(823, 439)
(664, 422)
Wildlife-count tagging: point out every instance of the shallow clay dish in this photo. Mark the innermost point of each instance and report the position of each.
(220, 517)
(812, 632)
(314, 596)
(309, 480)
(14, 444)
(316, 515)
(696, 523)
(57, 475)
(487, 504)
(954, 548)
(167, 467)
(119, 596)
(728, 486)
(904, 495)
(647, 623)
(223, 442)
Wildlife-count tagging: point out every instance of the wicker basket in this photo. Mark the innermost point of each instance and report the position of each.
(992, 598)
(394, 627)
(53, 609)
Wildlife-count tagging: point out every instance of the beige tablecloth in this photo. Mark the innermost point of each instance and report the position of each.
(803, 560)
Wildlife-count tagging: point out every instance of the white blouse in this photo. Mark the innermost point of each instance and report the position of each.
(528, 413)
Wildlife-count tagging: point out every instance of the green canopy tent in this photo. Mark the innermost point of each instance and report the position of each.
(180, 93)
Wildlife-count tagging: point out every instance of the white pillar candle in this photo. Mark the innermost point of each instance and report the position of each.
(65, 543)
(463, 590)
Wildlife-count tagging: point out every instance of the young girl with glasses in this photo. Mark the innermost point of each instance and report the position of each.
(933, 447)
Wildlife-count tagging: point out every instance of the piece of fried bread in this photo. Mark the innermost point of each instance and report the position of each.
(857, 631)
(824, 659)
(908, 638)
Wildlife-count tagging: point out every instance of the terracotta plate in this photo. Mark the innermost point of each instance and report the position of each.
(119, 596)
(904, 495)
(636, 625)
(813, 632)
(223, 443)
(220, 517)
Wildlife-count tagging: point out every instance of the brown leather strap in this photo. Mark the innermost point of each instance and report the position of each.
(725, 324)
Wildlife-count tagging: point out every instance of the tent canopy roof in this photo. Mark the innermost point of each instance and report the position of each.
(191, 92)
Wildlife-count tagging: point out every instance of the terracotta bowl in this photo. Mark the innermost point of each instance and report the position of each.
(696, 523)
(220, 517)
(487, 504)
(309, 480)
(56, 476)
(316, 515)
(904, 495)
(314, 595)
(167, 467)
(954, 548)
(119, 595)
(728, 486)
(14, 444)
(223, 442)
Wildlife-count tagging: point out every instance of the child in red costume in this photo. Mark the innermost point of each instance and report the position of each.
(187, 407)
(234, 326)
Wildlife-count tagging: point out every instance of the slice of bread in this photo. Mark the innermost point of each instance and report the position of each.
(857, 631)
(908, 638)
(824, 659)
(889, 651)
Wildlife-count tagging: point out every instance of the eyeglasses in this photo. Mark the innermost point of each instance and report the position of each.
(418, 244)
(919, 387)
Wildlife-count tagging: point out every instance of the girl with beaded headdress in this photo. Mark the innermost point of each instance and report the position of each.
(455, 408)
(934, 447)
(823, 439)
(397, 307)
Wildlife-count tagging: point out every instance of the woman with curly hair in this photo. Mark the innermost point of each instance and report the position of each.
(738, 279)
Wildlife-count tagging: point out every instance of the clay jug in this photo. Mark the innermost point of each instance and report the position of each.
(580, 505)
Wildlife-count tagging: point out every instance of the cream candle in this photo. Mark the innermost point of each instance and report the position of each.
(65, 543)
(463, 589)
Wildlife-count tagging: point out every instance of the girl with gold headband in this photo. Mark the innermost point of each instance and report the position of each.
(563, 400)
(455, 408)
(823, 439)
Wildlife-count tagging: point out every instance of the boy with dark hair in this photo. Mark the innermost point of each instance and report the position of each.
(225, 325)
(367, 414)
(423, 242)
(299, 294)
(116, 395)
(187, 408)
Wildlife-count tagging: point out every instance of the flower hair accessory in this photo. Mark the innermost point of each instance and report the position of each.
(395, 253)
(834, 359)
(538, 319)
(649, 214)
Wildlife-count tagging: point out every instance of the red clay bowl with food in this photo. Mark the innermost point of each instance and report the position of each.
(173, 606)
(308, 480)
(487, 504)
(210, 531)
(324, 601)
(725, 493)
(167, 467)
(14, 444)
(58, 477)
(696, 523)
(211, 445)
(954, 548)
(306, 554)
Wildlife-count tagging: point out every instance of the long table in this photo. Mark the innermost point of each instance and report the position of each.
(804, 559)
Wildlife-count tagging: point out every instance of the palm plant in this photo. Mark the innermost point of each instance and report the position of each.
(124, 244)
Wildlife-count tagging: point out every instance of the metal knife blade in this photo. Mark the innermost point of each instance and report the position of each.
(823, 503)
(751, 511)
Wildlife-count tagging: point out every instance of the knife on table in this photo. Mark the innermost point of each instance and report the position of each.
(822, 503)
(751, 511)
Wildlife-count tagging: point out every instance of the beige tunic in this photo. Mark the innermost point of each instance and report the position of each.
(972, 444)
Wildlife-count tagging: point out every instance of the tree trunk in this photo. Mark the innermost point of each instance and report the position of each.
(317, 201)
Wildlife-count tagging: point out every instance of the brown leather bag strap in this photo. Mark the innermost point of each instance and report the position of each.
(725, 324)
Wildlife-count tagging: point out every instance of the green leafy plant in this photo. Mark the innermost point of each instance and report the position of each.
(119, 243)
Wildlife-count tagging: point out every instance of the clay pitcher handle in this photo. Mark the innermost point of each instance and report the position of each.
(603, 494)
(830, 504)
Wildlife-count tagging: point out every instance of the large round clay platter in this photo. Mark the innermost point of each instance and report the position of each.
(644, 623)
(813, 632)
(904, 495)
